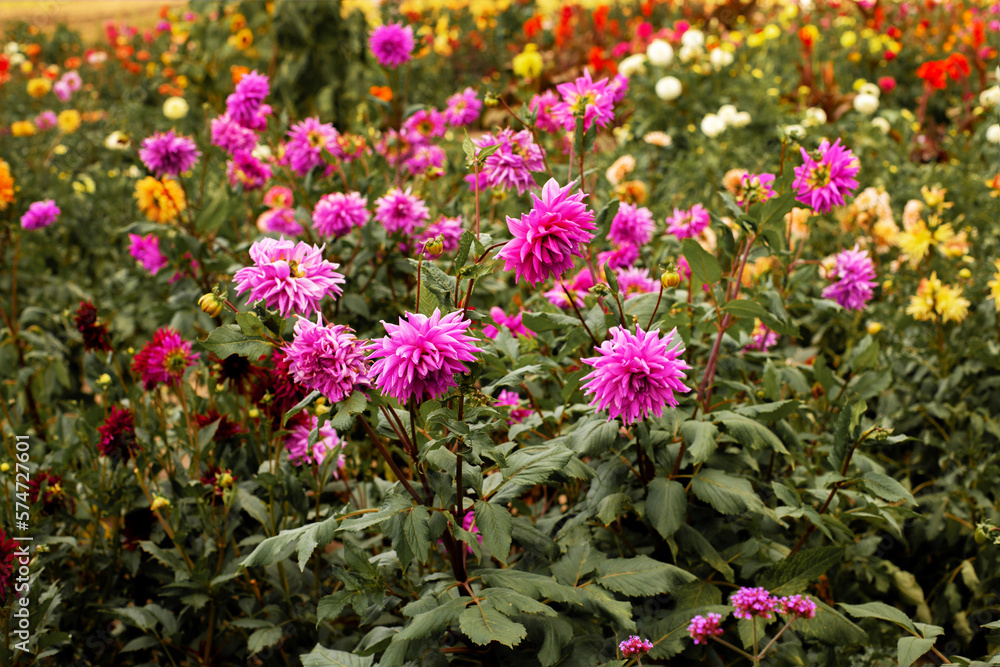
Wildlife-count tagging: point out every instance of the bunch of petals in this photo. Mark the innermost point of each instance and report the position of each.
(701, 627)
(798, 606)
(306, 141)
(463, 108)
(636, 375)
(751, 602)
(297, 444)
(634, 282)
(512, 400)
(512, 323)
(292, 277)
(337, 213)
(392, 44)
(688, 224)
(40, 214)
(448, 229)
(423, 158)
(511, 165)
(587, 98)
(544, 106)
(328, 359)
(398, 146)
(278, 196)
(349, 147)
(95, 334)
(117, 435)
(762, 339)
(68, 84)
(279, 220)
(755, 188)
(633, 224)
(400, 211)
(619, 257)
(548, 237)
(163, 359)
(426, 122)
(245, 104)
(420, 356)
(46, 120)
(854, 272)
(168, 154)
(230, 136)
(825, 176)
(635, 646)
(161, 200)
(146, 251)
(247, 171)
(578, 288)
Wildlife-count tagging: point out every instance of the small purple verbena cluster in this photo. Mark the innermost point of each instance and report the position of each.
(703, 627)
(751, 602)
(635, 647)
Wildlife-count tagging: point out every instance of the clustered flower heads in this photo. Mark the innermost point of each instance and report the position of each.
(826, 176)
(703, 627)
(752, 603)
(292, 277)
(854, 272)
(328, 359)
(635, 647)
(420, 356)
(636, 375)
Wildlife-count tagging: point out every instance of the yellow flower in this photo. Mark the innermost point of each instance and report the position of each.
(175, 108)
(528, 64)
(181, 81)
(755, 39)
(915, 241)
(951, 305)
(243, 39)
(921, 306)
(6, 186)
(159, 502)
(873, 328)
(161, 201)
(848, 39)
(39, 86)
(69, 121)
(22, 128)
(994, 285)
(935, 196)
(772, 31)
(84, 185)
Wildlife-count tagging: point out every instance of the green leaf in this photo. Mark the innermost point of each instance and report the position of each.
(579, 561)
(793, 574)
(263, 638)
(885, 487)
(417, 530)
(881, 611)
(298, 407)
(909, 649)
(666, 505)
(251, 325)
(640, 576)
(324, 657)
(700, 438)
(229, 339)
(846, 434)
(495, 525)
(769, 412)
(831, 627)
(331, 606)
(530, 466)
(140, 643)
(749, 433)
(612, 279)
(704, 266)
(727, 494)
(690, 539)
(433, 621)
(253, 505)
(612, 506)
(751, 309)
(464, 244)
(509, 603)
(606, 215)
(514, 378)
(483, 624)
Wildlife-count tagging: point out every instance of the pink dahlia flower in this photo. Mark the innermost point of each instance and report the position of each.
(306, 141)
(636, 375)
(587, 98)
(292, 277)
(826, 176)
(633, 224)
(511, 165)
(399, 211)
(854, 272)
(578, 288)
(544, 105)
(635, 647)
(463, 108)
(40, 214)
(620, 257)
(450, 231)
(512, 400)
(230, 136)
(423, 158)
(512, 323)
(550, 235)
(279, 221)
(46, 120)
(245, 105)
(688, 224)
(167, 153)
(392, 44)
(279, 197)
(634, 281)
(328, 359)
(164, 359)
(420, 356)
(297, 444)
(337, 213)
(146, 251)
(701, 628)
(426, 122)
(797, 605)
(750, 602)
(247, 171)
(755, 188)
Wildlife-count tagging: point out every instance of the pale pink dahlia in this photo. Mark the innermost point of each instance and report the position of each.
(293, 277)
(688, 224)
(297, 444)
(399, 211)
(306, 142)
(337, 213)
(797, 605)
(550, 235)
(701, 628)
(163, 359)
(511, 165)
(750, 602)
(146, 251)
(854, 272)
(511, 323)
(328, 359)
(392, 44)
(633, 224)
(463, 108)
(636, 375)
(825, 176)
(587, 98)
(420, 356)
(635, 647)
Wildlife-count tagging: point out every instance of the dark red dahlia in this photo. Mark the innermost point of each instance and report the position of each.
(95, 335)
(278, 392)
(47, 487)
(118, 435)
(7, 548)
(227, 430)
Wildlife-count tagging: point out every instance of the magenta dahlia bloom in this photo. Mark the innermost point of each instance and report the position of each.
(398, 146)
(246, 103)
(337, 213)
(854, 272)
(40, 214)
(247, 171)
(688, 224)
(463, 108)
(328, 359)
(297, 444)
(636, 375)
(511, 165)
(585, 97)
(392, 44)
(756, 188)
(279, 221)
(117, 435)
(230, 136)
(633, 225)
(423, 158)
(292, 277)
(168, 153)
(635, 647)
(450, 231)
(618, 88)
(826, 176)
(798, 606)
(634, 281)
(146, 251)
(420, 356)
(278, 196)
(619, 257)
(426, 122)
(544, 105)
(46, 120)
(550, 235)
(306, 141)
(512, 323)
(750, 602)
(399, 211)
(762, 339)
(164, 359)
(701, 628)
(512, 400)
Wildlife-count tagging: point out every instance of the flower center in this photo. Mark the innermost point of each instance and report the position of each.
(175, 362)
(296, 269)
(820, 176)
(315, 139)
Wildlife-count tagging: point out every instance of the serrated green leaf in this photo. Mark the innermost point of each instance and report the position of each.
(881, 611)
(483, 624)
(885, 487)
(701, 439)
(796, 572)
(666, 505)
(229, 339)
(509, 603)
(495, 525)
(324, 657)
(263, 638)
(727, 494)
(909, 649)
(704, 266)
(640, 576)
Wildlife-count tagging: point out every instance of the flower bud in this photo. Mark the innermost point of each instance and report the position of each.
(253, 413)
(210, 304)
(873, 328)
(104, 380)
(4, 467)
(965, 273)
(491, 100)
(980, 534)
(434, 247)
(670, 279)
(159, 502)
